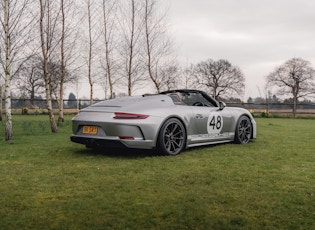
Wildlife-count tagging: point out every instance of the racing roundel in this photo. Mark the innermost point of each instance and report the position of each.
(215, 123)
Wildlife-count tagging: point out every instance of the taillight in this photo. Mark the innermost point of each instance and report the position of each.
(121, 115)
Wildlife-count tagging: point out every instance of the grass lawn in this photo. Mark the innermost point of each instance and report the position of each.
(47, 182)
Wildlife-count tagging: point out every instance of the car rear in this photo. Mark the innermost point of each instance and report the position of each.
(118, 123)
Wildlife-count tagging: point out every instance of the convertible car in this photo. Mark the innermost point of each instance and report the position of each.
(168, 122)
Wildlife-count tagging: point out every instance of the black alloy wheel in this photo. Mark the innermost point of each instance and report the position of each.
(172, 137)
(243, 131)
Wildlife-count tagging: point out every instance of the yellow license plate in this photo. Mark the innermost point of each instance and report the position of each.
(89, 129)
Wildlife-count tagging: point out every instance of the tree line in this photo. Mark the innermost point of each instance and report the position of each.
(46, 45)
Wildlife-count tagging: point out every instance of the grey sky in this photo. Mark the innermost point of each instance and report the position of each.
(255, 35)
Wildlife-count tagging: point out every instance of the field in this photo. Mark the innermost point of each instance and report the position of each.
(47, 182)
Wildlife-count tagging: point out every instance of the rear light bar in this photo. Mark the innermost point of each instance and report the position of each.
(122, 115)
(126, 138)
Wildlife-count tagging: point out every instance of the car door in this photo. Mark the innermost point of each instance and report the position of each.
(208, 123)
(212, 124)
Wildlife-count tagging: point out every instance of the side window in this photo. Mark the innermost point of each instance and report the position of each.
(204, 101)
(191, 99)
(197, 99)
(176, 98)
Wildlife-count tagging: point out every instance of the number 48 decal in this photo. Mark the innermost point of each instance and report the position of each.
(215, 123)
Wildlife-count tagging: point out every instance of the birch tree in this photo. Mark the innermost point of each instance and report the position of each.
(93, 36)
(67, 45)
(109, 10)
(63, 63)
(130, 49)
(7, 69)
(13, 39)
(159, 62)
(47, 26)
(90, 51)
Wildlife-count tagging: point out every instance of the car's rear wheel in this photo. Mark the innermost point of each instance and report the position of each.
(243, 130)
(172, 137)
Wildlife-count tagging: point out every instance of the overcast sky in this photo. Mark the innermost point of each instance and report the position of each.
(255, 35)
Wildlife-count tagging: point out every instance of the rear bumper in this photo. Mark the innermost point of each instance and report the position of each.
(112, 143)
(96, 142)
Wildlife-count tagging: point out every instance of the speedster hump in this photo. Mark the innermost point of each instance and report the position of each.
(132, 104)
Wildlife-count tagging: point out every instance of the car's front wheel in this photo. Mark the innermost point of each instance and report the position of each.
(172, 137)
(243, 130)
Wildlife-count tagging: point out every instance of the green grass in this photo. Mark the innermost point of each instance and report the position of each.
(47, 182)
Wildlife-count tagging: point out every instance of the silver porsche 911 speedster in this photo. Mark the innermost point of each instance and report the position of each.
(168, 122)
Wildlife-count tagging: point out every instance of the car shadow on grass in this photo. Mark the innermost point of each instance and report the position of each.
(118, 153)
(139, 153)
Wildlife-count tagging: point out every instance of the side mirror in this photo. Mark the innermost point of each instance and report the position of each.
(222, 105)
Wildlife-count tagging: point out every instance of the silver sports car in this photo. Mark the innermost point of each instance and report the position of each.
(168, 122)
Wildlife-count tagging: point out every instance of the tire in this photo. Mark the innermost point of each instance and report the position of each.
(243, 130)
(172, 137)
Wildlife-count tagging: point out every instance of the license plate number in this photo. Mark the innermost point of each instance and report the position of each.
(89, 129)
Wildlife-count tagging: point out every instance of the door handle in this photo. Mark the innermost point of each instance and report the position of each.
(199, 116)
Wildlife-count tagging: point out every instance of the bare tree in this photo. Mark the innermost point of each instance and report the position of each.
(158, 46)
(7, 69)
(47, 46)
(63, 62)
(89, 28)
(30, 81)
(130, 49)
(168, 76)
(67, 45)
(90, 51)
(219, 77)
(13, 39)
(109, 8)
(59, 75)
(187, 77)
(295, 77)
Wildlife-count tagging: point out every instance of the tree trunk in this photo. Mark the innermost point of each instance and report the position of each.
(63, 67)
(8, 114)
(0, 102)
(107, 50)
(294, 106)
(61, 109)
(90, 53)
(53, 124)
(7, 72)
(131, 47)
(148, 31)
(8, 124)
